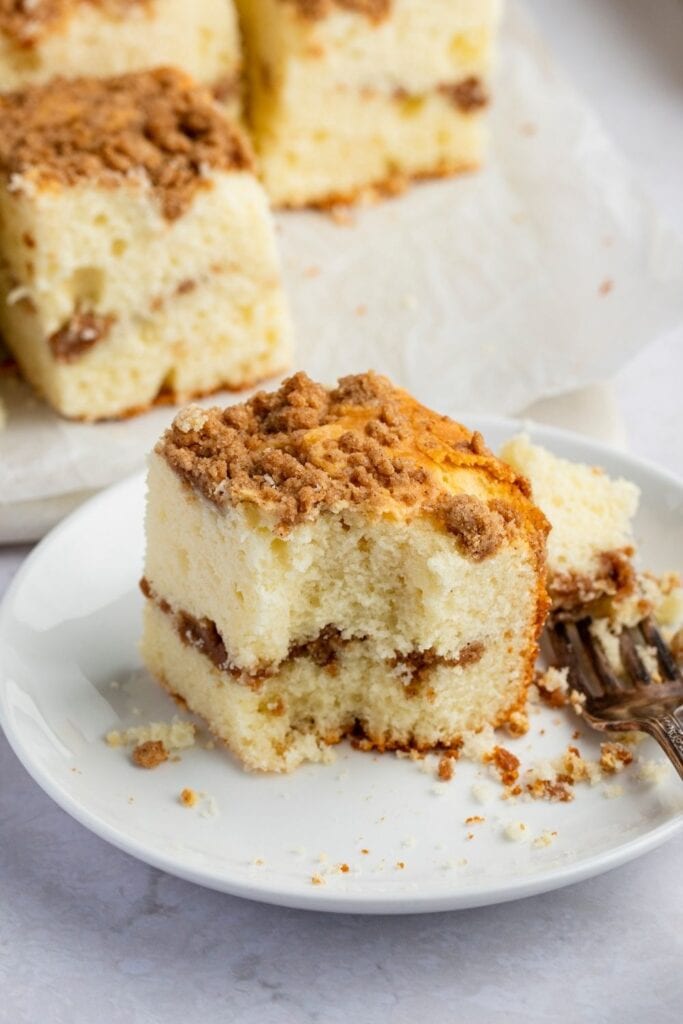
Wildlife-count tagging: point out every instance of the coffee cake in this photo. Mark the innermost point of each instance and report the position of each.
(349, 98)
(137, 251)
(591, 543)
(329, 563)
(41, 39)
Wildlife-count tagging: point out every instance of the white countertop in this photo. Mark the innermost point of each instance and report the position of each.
(88, 933)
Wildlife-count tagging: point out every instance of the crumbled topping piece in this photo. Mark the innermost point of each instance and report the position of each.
(188, 798)
(506, 763)
(614, 757)
(150, 754)
(303, 450)
(156, 127)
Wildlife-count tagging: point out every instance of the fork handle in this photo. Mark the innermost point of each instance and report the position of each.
(668, 732)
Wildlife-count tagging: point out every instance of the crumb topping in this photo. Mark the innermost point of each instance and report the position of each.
(303, 450)
(26, 22)
(156, 127)
(467, 95)
(150, 754)
(314, 10)
(79, 334)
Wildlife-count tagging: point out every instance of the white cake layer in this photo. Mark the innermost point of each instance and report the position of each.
(111, 250)
(402, 584)
(417, 46)
(199, 36)
(347, 141)
(287, 720)
(228, 332)
(197, 302)
(589, 513)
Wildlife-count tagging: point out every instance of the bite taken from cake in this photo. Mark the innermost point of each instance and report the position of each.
(329, 563)
(137, 253)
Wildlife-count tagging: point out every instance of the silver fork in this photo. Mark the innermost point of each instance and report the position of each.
(634, 702)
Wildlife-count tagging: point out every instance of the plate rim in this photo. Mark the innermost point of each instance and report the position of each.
(283, 894)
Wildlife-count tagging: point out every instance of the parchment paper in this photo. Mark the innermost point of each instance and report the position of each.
(544, 272)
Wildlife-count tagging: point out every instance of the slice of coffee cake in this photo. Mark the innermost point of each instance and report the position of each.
(356, 97)
(137, 253)
(591, 544)
(40, 39)
(323, 563)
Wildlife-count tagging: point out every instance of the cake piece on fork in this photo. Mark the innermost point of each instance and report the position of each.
(42, 39)
(137, 253)
(329, 563)
(591, 543)
(349, 98)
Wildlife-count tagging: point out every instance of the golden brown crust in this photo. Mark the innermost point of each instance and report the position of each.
(392, 185)
(156, 127)
(27, 22)
(304, 450)
(314, 10)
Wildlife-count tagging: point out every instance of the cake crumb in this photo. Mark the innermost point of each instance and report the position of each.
(344, 869)
(188, 797)
(613, 790)
(546, 838)
(341, 216)
(614, 757)
(365, 851)
(209, 807)
(149, 754)
(515, 831)
(481, 792)
(517, 724)
(317, 880)
(175, 735)
(400, 865)
(606, 286)
(505, 763)
(553, 686)
(445, 769)
(653, 771)
(475, 819)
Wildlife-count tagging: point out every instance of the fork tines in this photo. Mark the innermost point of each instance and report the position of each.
(576, 647)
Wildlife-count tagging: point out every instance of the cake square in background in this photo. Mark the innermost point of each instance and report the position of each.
(351, 98)
(45, 38)
(138, 254)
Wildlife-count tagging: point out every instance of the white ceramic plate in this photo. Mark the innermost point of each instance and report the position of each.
(68, 629)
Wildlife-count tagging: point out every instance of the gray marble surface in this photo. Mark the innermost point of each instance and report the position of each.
(87, 933)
